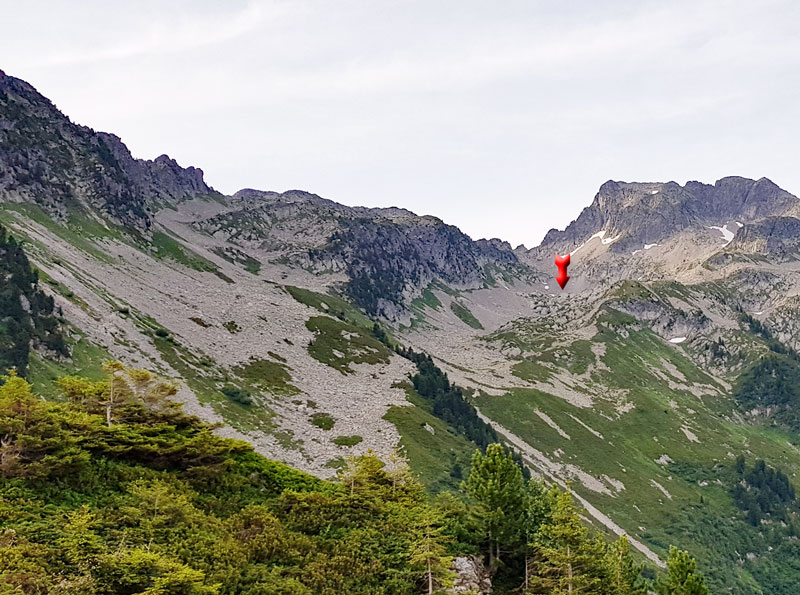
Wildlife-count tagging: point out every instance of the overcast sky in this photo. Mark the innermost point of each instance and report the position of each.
(501, 117)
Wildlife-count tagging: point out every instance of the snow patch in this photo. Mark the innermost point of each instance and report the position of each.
(727, 234)
(603, 240)
(646, 247)
(677, 340)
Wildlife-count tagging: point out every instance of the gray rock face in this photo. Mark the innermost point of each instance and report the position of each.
(48, 160)
(471, 576)
(777, 238)
(647, 213)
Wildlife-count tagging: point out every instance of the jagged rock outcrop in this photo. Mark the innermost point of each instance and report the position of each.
(638, 214)
(777, 238)
(48, 160)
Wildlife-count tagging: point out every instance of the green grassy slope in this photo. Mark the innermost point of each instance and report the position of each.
(677, 418)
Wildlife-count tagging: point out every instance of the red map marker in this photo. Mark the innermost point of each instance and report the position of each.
(562, 263)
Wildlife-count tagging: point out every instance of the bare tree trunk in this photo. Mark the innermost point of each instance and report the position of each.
(526, 571)
(430, 578)
(110, 401)
(569, 573)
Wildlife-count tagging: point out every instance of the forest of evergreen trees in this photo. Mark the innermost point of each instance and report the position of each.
(27, 315)
(763, 492)
(116, 491)
(772, 383)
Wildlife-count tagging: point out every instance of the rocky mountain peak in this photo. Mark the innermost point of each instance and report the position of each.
(48, 160)
(636, 214)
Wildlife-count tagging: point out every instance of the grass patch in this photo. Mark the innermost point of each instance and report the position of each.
(323, 421)
(86, 360)
(429, 299)
(441, 459)
(339, 344)
(166, 246)
(267, 375)
(330, 304)
(80, 231)
(337, 463)
(347, 440)
(465, 315)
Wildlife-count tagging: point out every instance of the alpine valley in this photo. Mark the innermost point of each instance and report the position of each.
(661, 387)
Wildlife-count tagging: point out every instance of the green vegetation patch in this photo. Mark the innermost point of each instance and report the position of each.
(232, 327)
(237, 394)
(323, 421)
(86, 359)
(437, 453)
(465, 315)
(267, 375)
(429, 299)
(166, 246)
(347, 440)
(331, 305)
(339, 344)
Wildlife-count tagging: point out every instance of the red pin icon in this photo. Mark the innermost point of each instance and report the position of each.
(562, 262)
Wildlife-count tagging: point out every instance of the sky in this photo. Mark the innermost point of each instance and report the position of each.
(501, 117)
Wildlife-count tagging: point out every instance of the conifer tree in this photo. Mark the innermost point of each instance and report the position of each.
(536, 513)
(624, 575)
(568, 560)
(123, 387)
(429, 552)
(495, 481)
(682, 575)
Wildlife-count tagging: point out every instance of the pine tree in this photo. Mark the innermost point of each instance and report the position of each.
(123, 388)
(567, 560)
(682, 576)
(624, 575)
(495, 481)
(536, 513)
(429, 553)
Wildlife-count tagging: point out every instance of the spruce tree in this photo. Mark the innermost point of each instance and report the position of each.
(495, 481)
(567, 559)
(682, 575)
